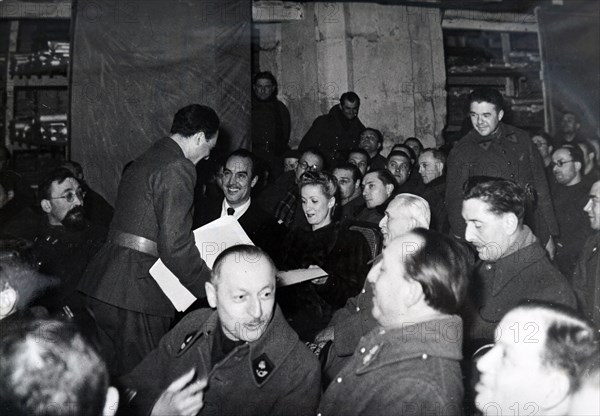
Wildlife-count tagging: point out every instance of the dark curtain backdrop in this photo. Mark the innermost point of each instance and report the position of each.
(570, 50)
(136, 62)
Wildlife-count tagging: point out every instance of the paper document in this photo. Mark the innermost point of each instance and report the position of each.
(291, 277)
(211, 240)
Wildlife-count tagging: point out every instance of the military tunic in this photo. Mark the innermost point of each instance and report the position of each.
(508, 154)
(274, 375)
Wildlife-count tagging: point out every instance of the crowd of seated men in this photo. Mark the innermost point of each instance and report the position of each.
(458, 282)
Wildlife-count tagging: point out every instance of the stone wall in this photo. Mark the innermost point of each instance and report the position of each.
(391, 56)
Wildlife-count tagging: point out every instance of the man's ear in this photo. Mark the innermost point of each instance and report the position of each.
(558, 391)
(578, 166)
(211, 294)
(10, 195)
(415, 292)
(500, 114)
(510, 222)
(46, 206)
(254, 181)
(389, 189)
(200, 137)
(111, 405)
(8, 301)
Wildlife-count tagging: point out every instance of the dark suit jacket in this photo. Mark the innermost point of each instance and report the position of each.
(154, 201)
(256, 222)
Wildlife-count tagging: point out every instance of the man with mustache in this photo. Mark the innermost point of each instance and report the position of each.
(513, 265)
(65, 241)
(242, 359)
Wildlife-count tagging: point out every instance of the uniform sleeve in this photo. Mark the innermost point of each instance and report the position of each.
(304, 391)
(458, 173)
(173, 188)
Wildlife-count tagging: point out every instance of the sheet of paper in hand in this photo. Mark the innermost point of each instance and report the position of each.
(211, 240)
(291, 277)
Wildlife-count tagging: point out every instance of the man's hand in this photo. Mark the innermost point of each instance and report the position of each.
(181, 398)
(325, 335)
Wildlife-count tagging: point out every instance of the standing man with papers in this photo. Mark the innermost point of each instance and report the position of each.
(153, 219)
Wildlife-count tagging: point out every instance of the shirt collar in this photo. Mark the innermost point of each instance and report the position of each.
(238, 212)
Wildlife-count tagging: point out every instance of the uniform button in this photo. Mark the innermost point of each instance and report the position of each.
(488, 267)
(424, 356)
(357, 309)
(509, 163)
(512, 175)
(338, 380)
(319, 414)
(364, 291)
(362, 350)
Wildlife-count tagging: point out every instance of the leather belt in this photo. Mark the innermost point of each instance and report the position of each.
(134, 242)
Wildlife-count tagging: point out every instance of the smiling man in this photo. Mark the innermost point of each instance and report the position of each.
(498, 150)
(513, 267)
(239, 178)
(242, 358)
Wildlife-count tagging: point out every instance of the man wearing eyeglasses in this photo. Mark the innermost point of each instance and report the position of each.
(65, 241)
(569, 196)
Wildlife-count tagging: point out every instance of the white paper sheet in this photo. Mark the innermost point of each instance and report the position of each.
(211, 240)
(291, 277)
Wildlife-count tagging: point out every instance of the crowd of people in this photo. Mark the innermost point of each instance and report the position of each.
(456, 281)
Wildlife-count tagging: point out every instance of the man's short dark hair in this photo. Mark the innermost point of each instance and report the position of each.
(361, 151)
(441, 265)
(574, 151)
(502, 195)
(58, 175)
(356, 175)
(570, 339)
(74, 167)
(49, 369)
(241, 251)
(414, 139)
(437, 154)
(195, 118)
(350, 97)
(266, 75)
(246, 154)
(385, 176)
(378, 133)
(487, 95)
(316, 152)
(401, 147)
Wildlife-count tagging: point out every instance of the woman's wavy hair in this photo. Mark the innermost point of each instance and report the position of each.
(326, 182)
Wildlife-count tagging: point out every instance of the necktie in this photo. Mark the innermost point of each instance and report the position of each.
(230, 211)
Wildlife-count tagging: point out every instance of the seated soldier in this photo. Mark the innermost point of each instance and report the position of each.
(534, 364)
(48, 369)
(242, 358)
(410, 363)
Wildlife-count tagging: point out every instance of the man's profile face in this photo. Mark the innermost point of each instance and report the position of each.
(485, 117)
(263, 88)
(566, 174)
(237, 180)
(346, 184)
(244, 296)
(513, 378)
(569, 123)
(59, 210)
(396, 221)
(349, 109)
(390, 283)
(359, 160)
(592, 208)
(399, 166)
(429, 167)
(306, 162)
(485, 230)
(369, 142)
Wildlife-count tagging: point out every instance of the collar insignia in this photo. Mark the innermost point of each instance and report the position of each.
(187, 341)
(262, 367)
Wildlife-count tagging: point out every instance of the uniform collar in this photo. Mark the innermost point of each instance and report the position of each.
(268, 353)
(503, 132)
(440, 338)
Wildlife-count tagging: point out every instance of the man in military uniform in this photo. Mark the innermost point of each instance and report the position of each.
(243, 358)
(502, 151)
(153, 218)
(336, 132)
